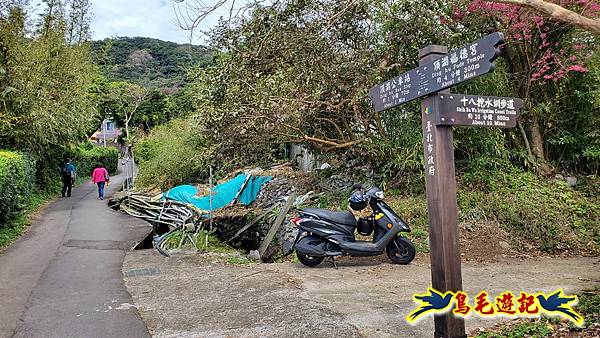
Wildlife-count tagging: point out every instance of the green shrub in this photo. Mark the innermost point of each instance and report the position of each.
(15, 226)
(173, 154)
(17, 177)
(85, 160)
(547, 213)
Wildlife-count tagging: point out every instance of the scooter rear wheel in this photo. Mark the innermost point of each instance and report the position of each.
(400, 250)
(309, 260)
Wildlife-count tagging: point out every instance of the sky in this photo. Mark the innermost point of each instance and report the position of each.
(146, 18)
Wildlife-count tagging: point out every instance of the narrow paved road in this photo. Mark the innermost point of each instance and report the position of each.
(63, 278)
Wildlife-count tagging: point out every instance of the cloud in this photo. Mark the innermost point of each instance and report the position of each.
(148, 18)
(145, 18)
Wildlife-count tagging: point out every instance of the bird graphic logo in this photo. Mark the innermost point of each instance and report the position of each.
(507, 304)
(556, 303)
(432, 302)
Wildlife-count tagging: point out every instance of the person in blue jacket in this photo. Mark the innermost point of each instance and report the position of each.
(68, 177)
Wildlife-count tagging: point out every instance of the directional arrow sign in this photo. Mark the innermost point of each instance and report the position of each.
(462, 64)
(478, 111)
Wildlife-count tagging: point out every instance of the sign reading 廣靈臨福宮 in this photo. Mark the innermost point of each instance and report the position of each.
(462, 64)
(478, 111)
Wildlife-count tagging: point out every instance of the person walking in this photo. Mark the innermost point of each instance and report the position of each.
(100, 177)
(67, 173)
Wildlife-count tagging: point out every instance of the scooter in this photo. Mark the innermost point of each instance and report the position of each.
(328, 234)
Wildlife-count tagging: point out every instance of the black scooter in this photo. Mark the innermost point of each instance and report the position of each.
(328, 234)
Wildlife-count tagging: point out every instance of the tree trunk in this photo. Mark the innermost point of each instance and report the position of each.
(127, 136)
(537, 146)
(537, 143)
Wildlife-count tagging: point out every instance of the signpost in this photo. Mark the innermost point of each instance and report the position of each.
(439, 70)
(478, 111)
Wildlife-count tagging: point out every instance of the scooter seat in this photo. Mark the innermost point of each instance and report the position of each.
(340, 217)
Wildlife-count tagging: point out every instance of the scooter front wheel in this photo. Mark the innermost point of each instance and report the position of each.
(400, 250)
(309, 260)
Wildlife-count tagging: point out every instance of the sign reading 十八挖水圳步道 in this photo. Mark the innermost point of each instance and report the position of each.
(478, 111)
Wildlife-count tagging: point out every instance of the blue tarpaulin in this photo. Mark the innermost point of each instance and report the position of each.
(222, 195)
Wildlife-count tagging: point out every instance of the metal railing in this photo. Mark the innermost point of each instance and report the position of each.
(129, 170)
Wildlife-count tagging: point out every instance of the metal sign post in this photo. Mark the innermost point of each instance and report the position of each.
(438, 71)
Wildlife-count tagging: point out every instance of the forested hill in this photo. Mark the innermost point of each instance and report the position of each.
(151, 63)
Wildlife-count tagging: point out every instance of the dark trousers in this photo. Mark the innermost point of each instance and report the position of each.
(67, 185)
(100, 189)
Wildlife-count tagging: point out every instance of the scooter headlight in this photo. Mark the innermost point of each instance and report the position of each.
(379, 194)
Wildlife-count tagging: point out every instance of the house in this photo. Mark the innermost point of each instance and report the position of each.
(107, 134)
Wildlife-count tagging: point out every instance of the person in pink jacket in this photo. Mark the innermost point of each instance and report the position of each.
(100, 177)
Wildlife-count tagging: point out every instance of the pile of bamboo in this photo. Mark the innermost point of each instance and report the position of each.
(239, 226)
(167, 217)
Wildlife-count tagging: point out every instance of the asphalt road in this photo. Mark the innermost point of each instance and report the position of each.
(63, 278)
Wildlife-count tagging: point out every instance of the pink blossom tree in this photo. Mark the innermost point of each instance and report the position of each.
(539, 52)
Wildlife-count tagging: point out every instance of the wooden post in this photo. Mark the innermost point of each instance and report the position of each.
(275, 227)
(441, 204)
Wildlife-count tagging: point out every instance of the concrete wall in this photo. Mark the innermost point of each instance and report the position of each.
(303, 158)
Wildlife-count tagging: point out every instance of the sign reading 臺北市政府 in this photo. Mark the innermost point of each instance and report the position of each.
(462, 64)
(441, 110)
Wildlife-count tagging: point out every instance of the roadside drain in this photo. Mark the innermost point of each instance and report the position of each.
(98, 245)
(142, 272)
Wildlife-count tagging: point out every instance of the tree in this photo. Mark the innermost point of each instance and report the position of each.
(78, 24)
(152, 111)
(284, 81)
(123, 102)
(560, 13)
(299, 72)
(148, 62)
(45, 84)
(540, 53)
(191, 13)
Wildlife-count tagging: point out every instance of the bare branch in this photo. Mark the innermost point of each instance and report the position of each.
(190, 14)
(337, 15)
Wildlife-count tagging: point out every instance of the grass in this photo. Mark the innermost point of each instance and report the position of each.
(210, 244)
(526, 329)
(238, 260)
(588, 306)
(548, 214)
(414, 212)
(15, 228)
(213, 244)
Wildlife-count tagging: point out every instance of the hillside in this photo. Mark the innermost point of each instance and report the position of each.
(149, 62)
